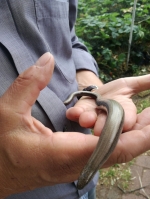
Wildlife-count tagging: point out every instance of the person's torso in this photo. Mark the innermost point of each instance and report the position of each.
(28, 29)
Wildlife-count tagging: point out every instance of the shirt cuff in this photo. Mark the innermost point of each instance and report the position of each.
(84, 61)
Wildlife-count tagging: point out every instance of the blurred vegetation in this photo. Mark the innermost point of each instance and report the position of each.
(104, 27)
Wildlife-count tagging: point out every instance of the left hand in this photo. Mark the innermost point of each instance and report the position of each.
(136, 139)
(121, 90)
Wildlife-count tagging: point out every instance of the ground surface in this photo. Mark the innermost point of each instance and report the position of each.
(140, 177)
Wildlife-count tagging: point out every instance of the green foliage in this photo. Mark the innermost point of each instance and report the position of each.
(104, 27)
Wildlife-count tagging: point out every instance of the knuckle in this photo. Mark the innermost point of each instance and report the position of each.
(21, 81)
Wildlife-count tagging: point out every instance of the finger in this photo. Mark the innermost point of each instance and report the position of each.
(125, 86)
(84, 118)
(130, 145)
(74, 113)
(100, 122)
(138, 84)
(142, 119)
(130, 112)
(23, 93)
(82, 111)
(87, 119)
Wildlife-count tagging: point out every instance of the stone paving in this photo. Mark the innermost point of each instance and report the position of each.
(140, 178)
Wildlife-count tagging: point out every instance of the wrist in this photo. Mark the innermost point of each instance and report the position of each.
(87, 78)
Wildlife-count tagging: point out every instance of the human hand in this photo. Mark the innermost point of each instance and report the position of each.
(121, 90)
(133, 142)
(31, 155)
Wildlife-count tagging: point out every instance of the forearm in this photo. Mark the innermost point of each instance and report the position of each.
(86, 78)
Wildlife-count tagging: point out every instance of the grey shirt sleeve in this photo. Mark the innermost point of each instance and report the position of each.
(81, 57)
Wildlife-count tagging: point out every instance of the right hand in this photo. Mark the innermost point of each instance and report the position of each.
(31, 155)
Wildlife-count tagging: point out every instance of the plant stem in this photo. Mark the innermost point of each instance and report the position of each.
(131, 31)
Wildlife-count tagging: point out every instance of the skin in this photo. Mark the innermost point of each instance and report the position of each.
(136, 126)
(32, 156)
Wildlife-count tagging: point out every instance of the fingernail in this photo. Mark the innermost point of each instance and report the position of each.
(42, 61)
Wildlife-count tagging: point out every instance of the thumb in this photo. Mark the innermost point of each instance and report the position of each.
(23, 93)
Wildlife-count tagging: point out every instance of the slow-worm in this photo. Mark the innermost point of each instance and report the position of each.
(108, 138)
